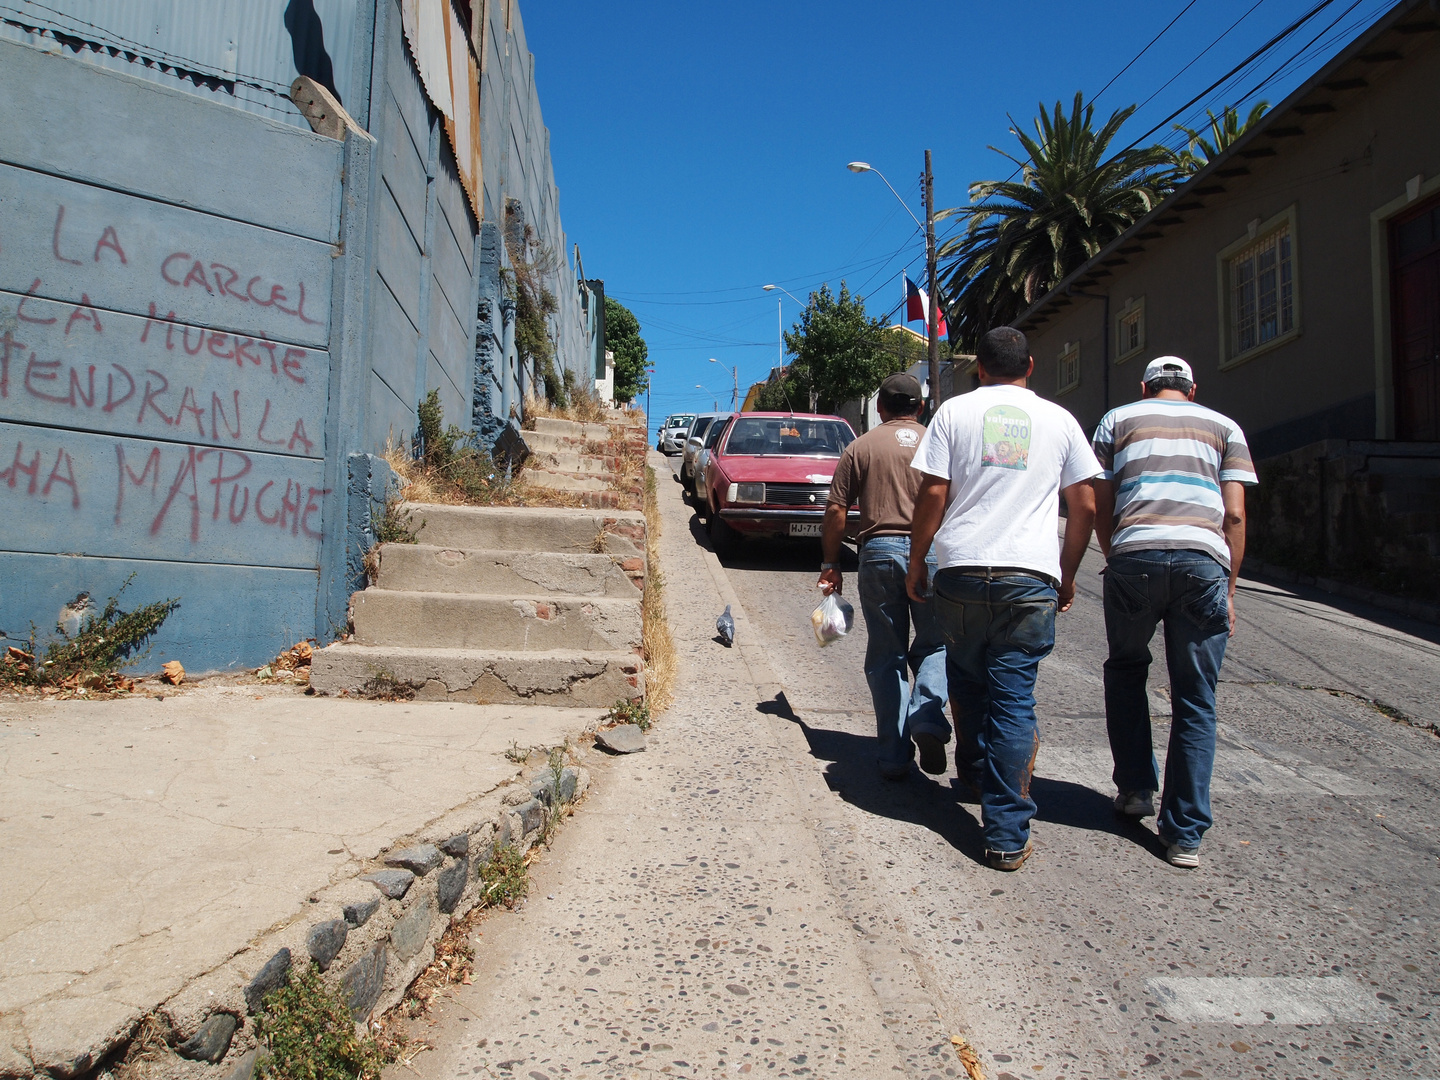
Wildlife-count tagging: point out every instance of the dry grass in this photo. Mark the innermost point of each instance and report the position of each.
(659, 644)
(421, 484)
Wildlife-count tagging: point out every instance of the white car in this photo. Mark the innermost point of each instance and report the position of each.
(673, 431)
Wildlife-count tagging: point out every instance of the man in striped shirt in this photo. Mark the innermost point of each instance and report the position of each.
(1170, 518)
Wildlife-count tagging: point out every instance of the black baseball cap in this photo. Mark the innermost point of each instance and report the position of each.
(901, 390)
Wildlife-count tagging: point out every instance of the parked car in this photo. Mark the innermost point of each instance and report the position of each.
(694, 440)
(702, 456)
(672, 433)
(769, 475)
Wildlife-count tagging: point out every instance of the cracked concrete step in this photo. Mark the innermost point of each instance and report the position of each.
(427, 568)
(520, 528)
(578, 464)
(569, 677)
(517, 623)
(560, 481)
(573, 429)
(543, 442)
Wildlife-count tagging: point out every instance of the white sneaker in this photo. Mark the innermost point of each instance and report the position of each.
(1188, 858)
(1135, 804)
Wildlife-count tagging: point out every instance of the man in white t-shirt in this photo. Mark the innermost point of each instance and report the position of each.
(996, 461)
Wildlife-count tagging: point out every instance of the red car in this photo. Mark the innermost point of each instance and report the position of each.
(769, 475)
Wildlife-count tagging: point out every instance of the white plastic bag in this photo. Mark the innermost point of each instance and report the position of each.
(833, 619)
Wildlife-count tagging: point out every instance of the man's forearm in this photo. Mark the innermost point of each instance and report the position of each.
(1233, 494)
(929, 510)
(1104, 513)
(832, 532)
(1079, 523)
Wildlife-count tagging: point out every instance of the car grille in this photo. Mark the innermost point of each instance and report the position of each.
(796, 494)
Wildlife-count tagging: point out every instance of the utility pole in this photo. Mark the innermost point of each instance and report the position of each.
(928, 181)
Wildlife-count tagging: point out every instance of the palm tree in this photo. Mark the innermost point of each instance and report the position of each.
(1022, 238)
(1224, 130)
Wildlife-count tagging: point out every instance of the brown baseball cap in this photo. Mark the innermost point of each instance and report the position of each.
(901, 389)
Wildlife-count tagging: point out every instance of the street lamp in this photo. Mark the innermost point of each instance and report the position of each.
(932, 327)
(735, 393)
(716, 407)
(780, 319)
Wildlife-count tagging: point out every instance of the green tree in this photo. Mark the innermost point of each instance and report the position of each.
(841, 354)
(1224, 130)
(1021, 238)
(622, 337)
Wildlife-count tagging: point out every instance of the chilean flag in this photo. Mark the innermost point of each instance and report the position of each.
(917, 306)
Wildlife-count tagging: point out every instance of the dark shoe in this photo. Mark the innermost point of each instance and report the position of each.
(1135, 804)
(933, 758)
(894, 772)
(1009, 860)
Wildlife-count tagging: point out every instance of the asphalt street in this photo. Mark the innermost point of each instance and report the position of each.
(1303, 946)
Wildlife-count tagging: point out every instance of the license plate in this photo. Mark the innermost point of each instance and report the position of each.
(805, 528)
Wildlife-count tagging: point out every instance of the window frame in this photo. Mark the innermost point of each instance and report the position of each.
(1069, 353)
(1284, 221)
(1136, 307)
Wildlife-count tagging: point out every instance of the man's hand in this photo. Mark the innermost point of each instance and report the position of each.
(830, 581)
(1066, 594)
(917, 580)
(1230, 604)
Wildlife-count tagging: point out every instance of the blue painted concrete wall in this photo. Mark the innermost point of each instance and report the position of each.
(165, 362)
(211, 318)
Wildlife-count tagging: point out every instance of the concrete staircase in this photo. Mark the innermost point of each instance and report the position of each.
(503, 605)
(583, 459)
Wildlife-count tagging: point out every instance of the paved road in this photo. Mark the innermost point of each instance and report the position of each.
(1304, 946)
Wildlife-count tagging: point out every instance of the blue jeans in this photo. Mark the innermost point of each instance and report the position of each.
(1188, 591)
(996, 632)
(891, 658)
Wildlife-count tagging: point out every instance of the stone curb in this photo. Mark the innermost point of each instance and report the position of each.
(1423, 610)
(371, 934)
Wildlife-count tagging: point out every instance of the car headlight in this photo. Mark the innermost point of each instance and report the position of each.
(746, 493)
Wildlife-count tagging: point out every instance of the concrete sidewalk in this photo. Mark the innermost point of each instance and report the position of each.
(686, 923)
(147, 843)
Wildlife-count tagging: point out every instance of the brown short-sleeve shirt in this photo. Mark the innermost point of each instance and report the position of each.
(875, 471)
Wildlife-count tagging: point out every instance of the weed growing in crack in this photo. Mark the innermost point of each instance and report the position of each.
(503, 877)
(311, 1035)
(630, 712)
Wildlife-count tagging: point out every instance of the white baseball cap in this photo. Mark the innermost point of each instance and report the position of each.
(1167, 367)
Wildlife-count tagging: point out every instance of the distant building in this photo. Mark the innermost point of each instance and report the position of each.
(1299, 274)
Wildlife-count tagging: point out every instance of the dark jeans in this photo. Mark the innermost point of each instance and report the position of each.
(996, 633)
(891, 658)
(1187, 590)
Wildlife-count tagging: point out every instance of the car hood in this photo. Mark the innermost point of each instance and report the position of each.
(777, 469)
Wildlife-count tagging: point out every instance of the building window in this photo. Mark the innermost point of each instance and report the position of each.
(1067, 374)
(1130, 329)
(1259, 294)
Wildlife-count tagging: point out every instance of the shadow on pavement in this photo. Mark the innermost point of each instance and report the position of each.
(936, 804)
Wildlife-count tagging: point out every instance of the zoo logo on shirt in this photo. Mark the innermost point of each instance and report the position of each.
(1006, 438)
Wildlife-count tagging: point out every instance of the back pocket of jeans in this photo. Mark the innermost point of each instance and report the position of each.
(1129, 594)
(1207, 603)
(1032, 625)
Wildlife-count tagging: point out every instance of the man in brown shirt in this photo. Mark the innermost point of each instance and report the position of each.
(875, 471)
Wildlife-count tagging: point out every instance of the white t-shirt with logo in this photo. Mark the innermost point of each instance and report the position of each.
(1007, 453)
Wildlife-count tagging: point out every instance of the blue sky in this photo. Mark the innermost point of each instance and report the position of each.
(700, 150)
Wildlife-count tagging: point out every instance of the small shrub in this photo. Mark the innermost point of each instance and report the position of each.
(391, 525)
(311, 1036)
(102, 645)
(630, 712)
(383, 686)
(504, 878)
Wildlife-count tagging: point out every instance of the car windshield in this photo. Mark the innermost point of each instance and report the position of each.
(698, 428)
(716, 430)
(759, 436)
(681, 421)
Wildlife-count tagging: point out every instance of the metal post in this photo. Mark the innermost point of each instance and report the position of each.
(932, 317)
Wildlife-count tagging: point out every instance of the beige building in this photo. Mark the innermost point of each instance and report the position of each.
(1299, 274)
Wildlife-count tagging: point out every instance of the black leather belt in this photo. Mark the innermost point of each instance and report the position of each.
(989, 573)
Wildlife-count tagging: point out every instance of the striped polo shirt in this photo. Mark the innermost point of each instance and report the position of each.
(1167, 460)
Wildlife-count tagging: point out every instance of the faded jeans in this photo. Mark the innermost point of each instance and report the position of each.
(996, 630)
(891, 658)
(1188, 591)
